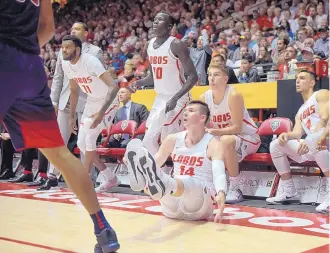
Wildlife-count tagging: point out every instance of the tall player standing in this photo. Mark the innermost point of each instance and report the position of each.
(311, 119)
(173, 75)
(26, 108)
(86, 73)
(231, 121)
(199, 175)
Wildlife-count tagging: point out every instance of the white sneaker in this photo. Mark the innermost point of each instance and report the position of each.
(234, 196)
(136, 178)
(284, 198)
(107, 185)
(323, 207)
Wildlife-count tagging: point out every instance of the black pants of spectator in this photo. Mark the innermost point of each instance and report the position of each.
(7, 154)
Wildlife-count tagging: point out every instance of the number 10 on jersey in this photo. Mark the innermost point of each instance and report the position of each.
(158, 72)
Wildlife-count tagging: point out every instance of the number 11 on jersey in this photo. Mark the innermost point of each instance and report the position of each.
(86, 88)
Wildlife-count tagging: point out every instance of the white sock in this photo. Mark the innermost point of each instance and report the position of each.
(234, 184)
(289, 186)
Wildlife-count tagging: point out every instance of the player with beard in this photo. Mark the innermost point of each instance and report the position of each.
(88, 73)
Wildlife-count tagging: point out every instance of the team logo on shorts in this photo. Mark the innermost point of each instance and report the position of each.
(123, 125)
(275, 125)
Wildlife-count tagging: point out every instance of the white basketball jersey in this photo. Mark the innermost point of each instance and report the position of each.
(166, 68)
(221, 115)
(86, 73)
(309, 115)
(193, 161)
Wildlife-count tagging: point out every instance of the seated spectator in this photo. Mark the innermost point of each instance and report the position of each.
(140, 66)
(321, 46)
(220, 59)
(248, 74)
(127, 77)
(129, 111)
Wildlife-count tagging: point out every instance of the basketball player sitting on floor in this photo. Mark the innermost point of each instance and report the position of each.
(199, 175)
(231, 122)
(87, 72)
(311, 120)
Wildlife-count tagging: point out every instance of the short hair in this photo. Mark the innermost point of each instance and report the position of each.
(285, 41)
(170, 18)
(247, 57)
(204, 108)
(82, 24)
(223, 68)
(74, 39)
(311, 74)
(219, 55)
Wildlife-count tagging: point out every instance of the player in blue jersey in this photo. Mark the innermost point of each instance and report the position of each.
(26, 109)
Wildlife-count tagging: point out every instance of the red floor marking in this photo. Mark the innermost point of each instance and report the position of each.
(262, 218)
(36, 245)
(321, 249)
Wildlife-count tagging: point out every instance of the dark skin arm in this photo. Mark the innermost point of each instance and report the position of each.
(180, 50)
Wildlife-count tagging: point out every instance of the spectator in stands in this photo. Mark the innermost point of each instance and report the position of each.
(201, 56)
(264, 58)
(322, 44)
(243, 42)
(129, 111)
(118, 59)
(220, 59)
(281, 46)
(248, 74)
(320, 15)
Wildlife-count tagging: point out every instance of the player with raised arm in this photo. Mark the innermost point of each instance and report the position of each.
(311, 119)
(231, 122)
(87, 72)
(173, 74)
(199, 175)
(27, 110)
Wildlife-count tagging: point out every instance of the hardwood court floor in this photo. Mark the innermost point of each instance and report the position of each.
(54, 221)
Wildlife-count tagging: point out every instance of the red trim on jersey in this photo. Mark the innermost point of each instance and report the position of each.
(249, 123)
(176, 116)
(178, 67)
(254, 143)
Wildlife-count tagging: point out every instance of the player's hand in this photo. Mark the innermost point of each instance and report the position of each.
(56, 109)
(171, 104)
(5, 136)
(210, 130)
(97, 119)
(221, 199)
(73, 126)
(303, 148)
(322, 142)
(283, 139)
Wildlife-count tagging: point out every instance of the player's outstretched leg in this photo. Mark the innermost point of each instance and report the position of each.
(81, 184)
(137, 180)
(157, 180)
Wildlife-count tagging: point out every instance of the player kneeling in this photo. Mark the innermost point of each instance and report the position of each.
(199, 175)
